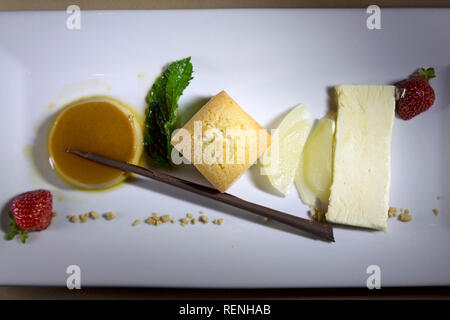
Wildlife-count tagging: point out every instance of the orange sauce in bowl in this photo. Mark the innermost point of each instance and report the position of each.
(98, 124)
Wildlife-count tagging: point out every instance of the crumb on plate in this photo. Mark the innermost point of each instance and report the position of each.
(94, 215)
(404, 216)
(204, 219)
(110, 216)
(83, 217)
(317, 214)
(392, 212)
(73, 218)
(165, 218)
(184, 221)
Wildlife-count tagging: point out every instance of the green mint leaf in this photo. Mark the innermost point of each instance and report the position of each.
(162, 109)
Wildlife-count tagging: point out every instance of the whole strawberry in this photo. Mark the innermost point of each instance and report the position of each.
(415, 95)
(30, 211)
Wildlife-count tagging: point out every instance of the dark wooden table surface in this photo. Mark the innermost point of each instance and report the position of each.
(163, 293)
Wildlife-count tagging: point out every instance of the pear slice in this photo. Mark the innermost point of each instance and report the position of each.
(314, 173)
(281, 159)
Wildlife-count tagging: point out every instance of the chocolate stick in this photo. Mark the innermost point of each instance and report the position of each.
(321, 230)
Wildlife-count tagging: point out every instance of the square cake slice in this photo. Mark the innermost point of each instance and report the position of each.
(361, 169)
(221, 140)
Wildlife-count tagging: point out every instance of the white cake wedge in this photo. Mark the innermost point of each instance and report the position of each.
(361, 167)
(314, 172)
(281, 159)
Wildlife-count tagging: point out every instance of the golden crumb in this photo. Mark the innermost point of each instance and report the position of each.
(165, 218)
(439, 197)
(172, 221)
(158, 222)
(155, 214)
(148, 220)
(317, 214)
(110, 216)
(83, 217)
(204, 219)
(136, 223)
(202, 212)
(194, 221)
(405, 217)
(436, 212)
(266, 219)
(220, 221)
(54, 214)
(406, 211)
(189, 215)
(392, 212)
(73, 218)
(94, 215)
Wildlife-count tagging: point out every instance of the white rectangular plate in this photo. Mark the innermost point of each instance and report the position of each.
(268, 61)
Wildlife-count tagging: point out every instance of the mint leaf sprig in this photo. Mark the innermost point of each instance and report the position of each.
(161, 114)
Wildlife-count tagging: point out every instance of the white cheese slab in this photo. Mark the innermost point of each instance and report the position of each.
(362, 169)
